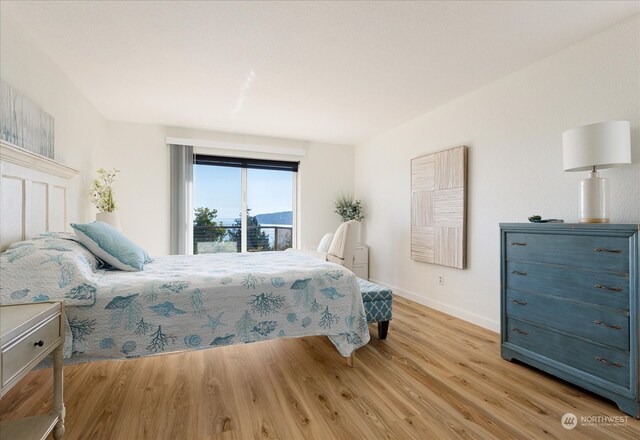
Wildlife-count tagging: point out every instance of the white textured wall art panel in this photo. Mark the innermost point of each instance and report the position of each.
(438, 207)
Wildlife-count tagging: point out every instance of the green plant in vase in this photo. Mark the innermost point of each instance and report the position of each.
(102, 190)
(348, 208)
(102, 197)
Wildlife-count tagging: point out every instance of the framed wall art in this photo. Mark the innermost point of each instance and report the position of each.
(438, 208)
(24, 124)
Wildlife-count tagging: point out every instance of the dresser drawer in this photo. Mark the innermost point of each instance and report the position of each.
(21, 353)
(599, 324)
(607, 363)
(586, 251)
(603, 288)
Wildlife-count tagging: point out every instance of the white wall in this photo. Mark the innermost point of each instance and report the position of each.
(140, 152)
(141, 189)
(80, 131)
(513, 128)
(326, 172)
(86, 141)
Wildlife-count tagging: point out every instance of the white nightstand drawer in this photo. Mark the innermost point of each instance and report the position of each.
(21, 353)
(361, 254)
(361, 271)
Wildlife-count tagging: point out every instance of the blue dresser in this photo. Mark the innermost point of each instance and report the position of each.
(569, 304)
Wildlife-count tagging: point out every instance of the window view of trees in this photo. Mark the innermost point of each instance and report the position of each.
(206, 229)
(257, 239)
(210, 236)
(224, 190)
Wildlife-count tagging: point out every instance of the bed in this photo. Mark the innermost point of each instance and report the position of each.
(177, 302)
(184, 302)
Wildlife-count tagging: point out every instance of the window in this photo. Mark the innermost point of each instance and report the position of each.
(243, 204)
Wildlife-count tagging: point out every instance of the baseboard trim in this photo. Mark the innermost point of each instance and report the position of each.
(465, 315)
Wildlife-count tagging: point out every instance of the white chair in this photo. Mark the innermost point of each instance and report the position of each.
(325, 242)
(342, 245)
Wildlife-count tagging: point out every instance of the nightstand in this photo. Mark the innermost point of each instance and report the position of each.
(28, 333)
(361, 261)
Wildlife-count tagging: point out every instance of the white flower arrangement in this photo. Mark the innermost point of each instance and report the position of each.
(102, 192)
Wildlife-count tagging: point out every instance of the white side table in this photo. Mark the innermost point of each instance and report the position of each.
(28, 333)
(361, 261)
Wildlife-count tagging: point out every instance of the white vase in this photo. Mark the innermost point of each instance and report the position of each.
(110, 218)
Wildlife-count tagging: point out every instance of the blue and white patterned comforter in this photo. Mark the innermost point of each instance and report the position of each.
(189, 302)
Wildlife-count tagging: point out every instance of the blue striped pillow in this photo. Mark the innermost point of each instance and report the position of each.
(111, 246)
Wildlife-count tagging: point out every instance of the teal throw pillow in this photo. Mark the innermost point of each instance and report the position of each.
(111, 246)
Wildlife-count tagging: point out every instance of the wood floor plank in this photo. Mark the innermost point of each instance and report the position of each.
(435, 376)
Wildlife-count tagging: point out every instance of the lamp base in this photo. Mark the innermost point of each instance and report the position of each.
(594, 199)
(594, 220)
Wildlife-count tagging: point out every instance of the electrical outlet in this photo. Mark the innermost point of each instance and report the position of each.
(440, 280)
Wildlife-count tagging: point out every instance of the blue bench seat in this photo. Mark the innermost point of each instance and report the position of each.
(378, 302)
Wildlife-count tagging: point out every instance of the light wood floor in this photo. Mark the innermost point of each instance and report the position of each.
(435, 377)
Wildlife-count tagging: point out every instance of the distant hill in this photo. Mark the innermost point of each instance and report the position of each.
(276, 218)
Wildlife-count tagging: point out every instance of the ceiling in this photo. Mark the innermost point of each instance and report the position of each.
(337, 72)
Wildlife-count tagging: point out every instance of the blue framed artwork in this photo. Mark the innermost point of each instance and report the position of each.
(24, 124)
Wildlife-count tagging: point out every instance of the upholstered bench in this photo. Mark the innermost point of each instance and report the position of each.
(378, 301)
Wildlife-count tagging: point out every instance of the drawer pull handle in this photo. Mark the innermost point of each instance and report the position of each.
(517, 330)
(515, 272)
(40, 343)
(515, 243)
(617, 327)
(604, 361)
(602, 286)
(613, 251)
(517, 301)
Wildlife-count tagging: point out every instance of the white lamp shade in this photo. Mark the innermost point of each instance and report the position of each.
(605, 145)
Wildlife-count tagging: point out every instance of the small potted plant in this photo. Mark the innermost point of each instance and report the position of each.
(348, 208)
(103, 198)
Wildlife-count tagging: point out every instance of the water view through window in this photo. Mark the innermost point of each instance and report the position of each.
(223, 223)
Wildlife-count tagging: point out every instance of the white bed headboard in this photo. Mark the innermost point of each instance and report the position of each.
(33, 194)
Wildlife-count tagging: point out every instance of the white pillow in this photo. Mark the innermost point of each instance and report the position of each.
(325, 242)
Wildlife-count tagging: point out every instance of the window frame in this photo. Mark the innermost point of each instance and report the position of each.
(261, 164)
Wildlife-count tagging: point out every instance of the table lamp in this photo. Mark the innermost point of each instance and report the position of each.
(592, 147)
